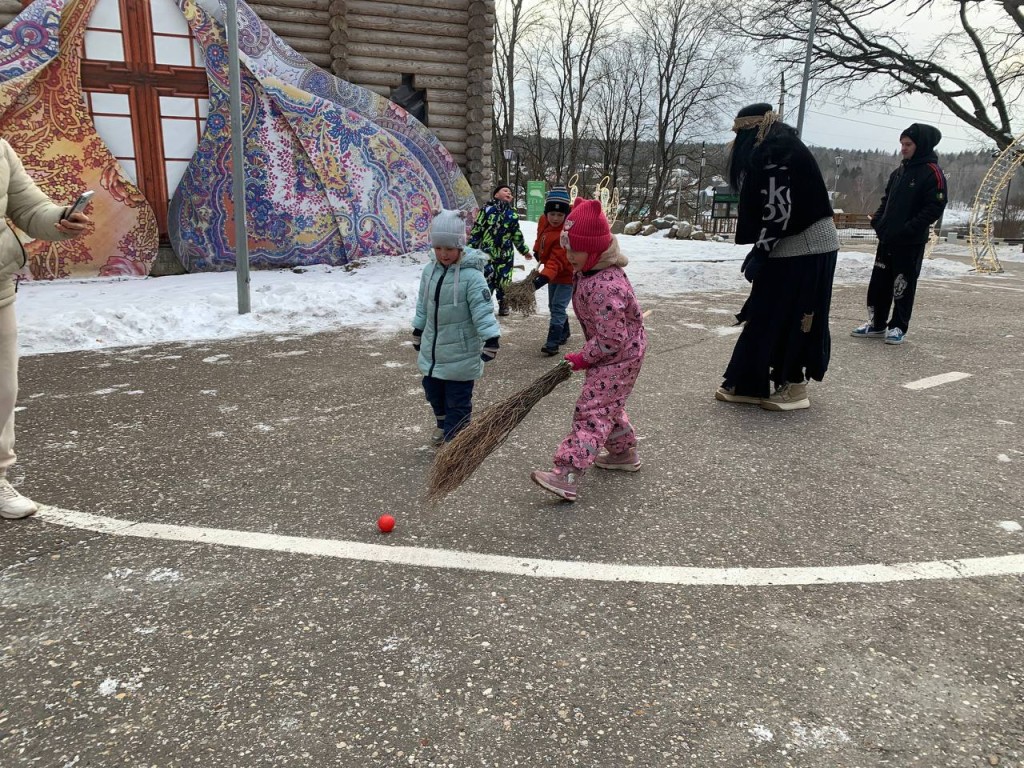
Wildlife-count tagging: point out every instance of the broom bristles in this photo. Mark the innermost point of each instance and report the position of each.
(521, 297)
(457, 460)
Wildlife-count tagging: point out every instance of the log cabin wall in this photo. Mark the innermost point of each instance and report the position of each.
(8, 10)
(445, 45)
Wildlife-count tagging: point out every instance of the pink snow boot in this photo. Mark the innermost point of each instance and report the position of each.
(628, 461)
(561, 481)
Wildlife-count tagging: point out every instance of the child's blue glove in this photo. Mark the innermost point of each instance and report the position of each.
(490, 350)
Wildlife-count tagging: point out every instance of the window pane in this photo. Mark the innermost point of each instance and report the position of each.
(116, 133)
(167, 18)
(103, 46)
(107, 15)
(129, 170)
(110, 103)
(179, 138)
(174, 106)
(173, 51)
(174, 170)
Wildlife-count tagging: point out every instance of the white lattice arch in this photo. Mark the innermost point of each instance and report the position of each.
(981, 234)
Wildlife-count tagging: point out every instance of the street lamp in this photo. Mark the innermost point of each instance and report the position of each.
(508, 153)
(835, 184)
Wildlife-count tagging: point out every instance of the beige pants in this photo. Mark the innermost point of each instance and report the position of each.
(8, 384)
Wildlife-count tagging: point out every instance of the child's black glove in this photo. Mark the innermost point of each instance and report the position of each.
(417, 334)
(490, 350)
(539, 282)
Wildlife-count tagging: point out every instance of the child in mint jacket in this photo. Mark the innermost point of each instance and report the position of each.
(454, 329)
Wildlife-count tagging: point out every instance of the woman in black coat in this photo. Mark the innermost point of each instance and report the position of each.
(786, 216)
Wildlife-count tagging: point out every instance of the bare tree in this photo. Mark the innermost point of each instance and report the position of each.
(512, 26)
(974, 68)
(619, 111)
(584, 27)
(694, 68)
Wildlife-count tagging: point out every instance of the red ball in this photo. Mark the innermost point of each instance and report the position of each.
(386, 523)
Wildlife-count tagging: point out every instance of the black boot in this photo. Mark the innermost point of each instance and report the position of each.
(502, 308)
(553, 341)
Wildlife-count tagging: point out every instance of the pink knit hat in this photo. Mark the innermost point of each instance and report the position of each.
(587, 230)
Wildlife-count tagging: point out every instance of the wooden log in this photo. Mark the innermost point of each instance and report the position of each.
(400, 11)
(417, 68)
(437, 120)
(383, 90)
(304, 16)
(322, 60)
(451, 5)
(435, 96)
(383, 37)
(315, 6)
(303, 46)
(449, 134)
(446, 108)
(406, 53)
(364, 77)
(407, 26)
(444, 83)
(301, 31)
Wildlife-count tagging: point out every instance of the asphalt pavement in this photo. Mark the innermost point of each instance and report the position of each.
(840, 586)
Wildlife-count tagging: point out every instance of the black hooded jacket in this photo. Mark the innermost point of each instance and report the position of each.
(783, 192)
(915, 195)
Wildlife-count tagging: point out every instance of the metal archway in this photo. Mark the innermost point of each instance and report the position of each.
(980, 236)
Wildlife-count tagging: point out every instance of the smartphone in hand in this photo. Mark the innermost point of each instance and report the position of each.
(80, 203)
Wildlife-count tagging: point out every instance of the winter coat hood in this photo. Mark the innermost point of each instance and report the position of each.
(612, 257)
(926, 138)
(472, 258)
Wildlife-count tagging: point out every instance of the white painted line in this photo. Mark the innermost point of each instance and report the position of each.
(996, 287)
(879, 573)
(934, 381)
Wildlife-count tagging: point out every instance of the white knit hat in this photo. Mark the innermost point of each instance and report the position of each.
(448, 229)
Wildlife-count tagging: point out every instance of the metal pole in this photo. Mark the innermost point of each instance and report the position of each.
(700, 183)
(679, 194)
(807, 67)
(237, 159)
(1006, 202)
(782, 96)
(515, 203)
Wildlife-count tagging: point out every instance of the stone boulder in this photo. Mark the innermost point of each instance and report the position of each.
(633, 228)
(650, 229)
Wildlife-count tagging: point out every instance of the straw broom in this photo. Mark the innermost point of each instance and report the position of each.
(457, 460)
(521, 297)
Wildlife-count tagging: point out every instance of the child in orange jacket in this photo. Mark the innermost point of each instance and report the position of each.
(555, 270)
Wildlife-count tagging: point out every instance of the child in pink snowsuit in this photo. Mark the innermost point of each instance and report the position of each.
(613, 325)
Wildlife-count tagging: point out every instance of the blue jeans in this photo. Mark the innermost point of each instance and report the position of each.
(559, 297)
(451, 401)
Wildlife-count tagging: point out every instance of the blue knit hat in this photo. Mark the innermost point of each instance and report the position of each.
(557, 201)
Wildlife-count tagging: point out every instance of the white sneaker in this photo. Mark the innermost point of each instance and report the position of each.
(14, 506)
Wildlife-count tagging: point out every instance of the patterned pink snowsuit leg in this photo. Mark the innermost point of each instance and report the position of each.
(613, 325)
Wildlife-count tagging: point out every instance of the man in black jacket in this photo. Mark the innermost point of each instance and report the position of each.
(914, 200)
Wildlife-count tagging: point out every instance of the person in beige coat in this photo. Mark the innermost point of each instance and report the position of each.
(23, 203)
